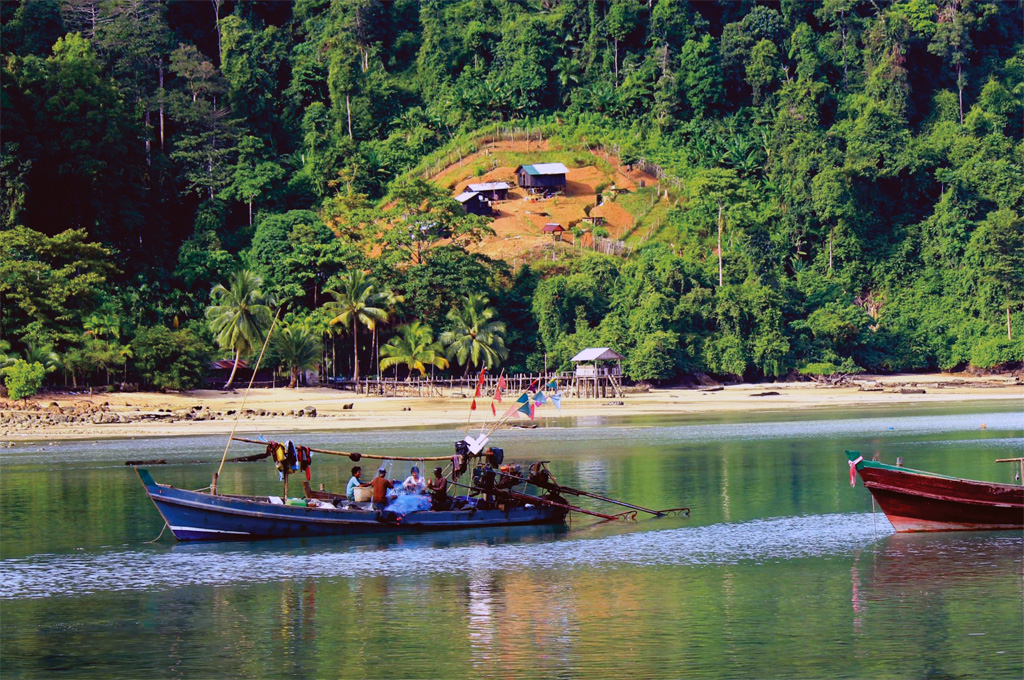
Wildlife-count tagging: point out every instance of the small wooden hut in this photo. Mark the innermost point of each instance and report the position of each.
(596, 374)
(554, 229)
(542, 177)
(492, 191)
(475, 203)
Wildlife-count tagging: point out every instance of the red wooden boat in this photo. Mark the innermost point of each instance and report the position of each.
(914, 500)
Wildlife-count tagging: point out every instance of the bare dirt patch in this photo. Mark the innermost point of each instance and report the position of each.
(519, 219)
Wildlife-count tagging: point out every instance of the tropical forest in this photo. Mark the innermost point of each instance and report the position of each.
(756, 190)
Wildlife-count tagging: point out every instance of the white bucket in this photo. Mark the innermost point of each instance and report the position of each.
(362, 494)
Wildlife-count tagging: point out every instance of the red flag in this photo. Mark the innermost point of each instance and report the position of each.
(493, 412)
(501, 386)
(480, 381)
(472, 407)
(531, 410)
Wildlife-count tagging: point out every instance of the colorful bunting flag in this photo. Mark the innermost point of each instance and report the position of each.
(553, 385)
(480, 381)
(472, 407)
(556, 399)
(523, 398)
(527, 409)
(493, 411)
(501, 386)
(531, 410)
(539, 399)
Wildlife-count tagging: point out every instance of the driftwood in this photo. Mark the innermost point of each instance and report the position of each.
(764, 394)
(157, 461)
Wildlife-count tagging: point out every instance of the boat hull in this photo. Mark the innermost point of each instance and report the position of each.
(914, 500)
(197, 516)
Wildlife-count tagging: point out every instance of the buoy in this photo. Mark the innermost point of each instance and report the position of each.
(984, 426)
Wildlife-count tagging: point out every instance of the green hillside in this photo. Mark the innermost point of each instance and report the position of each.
(842, 184)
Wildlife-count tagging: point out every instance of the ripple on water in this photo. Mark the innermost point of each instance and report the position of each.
(188, 565)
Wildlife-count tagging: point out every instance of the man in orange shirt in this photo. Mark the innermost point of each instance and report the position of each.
(381, 485)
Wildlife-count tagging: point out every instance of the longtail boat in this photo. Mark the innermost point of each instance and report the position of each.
(199, 516)
(497, 496)
(915, 500)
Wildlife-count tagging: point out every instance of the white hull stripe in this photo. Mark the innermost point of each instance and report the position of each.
(210, 531)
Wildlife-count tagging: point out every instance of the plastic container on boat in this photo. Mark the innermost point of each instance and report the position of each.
(362, 494)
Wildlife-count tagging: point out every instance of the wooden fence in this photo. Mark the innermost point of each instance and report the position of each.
(515, 384)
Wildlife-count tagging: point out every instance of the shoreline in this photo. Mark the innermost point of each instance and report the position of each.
(214, 412)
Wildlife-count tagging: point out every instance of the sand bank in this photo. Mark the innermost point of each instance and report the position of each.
(288, 410)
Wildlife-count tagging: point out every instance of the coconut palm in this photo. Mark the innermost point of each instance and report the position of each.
(299, 348)
(42, 354)
(475, 337)
(239, 316)
(414, 347)
(355, 302)
(389, 301)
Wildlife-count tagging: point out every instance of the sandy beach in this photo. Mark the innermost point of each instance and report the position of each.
(204, 412)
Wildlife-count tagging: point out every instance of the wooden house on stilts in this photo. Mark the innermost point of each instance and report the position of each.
(596, 375)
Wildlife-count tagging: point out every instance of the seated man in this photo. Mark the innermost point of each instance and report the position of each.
(438, 490)
(381, 485)
(414, 483)
(355, 481)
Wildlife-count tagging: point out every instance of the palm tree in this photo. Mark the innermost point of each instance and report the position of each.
(355, 304)
(239, 315)
(414, 347)
(299, 348)
(42, 354)
(475, 338)
(389, 300)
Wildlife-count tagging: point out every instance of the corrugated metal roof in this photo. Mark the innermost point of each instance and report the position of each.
(489, 186)
(227, 364)
(546, 169)
(551, 228)
(465, 196)
(597, 354)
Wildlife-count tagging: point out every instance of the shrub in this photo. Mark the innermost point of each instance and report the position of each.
(23, 379)
(170, 360)
(995, 351)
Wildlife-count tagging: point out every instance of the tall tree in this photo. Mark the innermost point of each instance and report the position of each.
(355, 304)
(414, 346)
(239, 316)
(474, 336)
(298, 348)
(721, 188)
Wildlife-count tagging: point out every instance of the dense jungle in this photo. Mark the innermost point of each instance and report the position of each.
(841, 187)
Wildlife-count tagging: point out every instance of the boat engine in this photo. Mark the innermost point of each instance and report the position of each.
(510, 476)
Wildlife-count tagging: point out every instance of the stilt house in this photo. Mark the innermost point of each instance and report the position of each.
(542, 177)
(596, 374)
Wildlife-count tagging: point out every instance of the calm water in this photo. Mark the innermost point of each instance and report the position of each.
(781, 571)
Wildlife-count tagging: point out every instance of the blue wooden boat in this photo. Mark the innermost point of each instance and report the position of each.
(203, 516)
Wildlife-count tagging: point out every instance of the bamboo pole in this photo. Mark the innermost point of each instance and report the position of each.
(348, 453)
(216, 476)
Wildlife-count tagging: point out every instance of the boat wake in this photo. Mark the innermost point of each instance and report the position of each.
(158, 568)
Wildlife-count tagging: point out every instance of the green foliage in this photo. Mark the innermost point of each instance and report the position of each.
(413, 347)
(171, 359)
(841, 183)
(23, 379)
(298, 348)
(239, 316)
(474, 338)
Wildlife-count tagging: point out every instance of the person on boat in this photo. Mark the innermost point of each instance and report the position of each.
(438, 487)
(350, 490)
(414, 483)
(381, 485)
